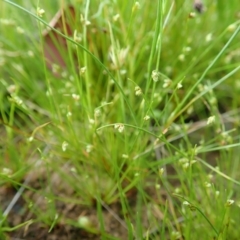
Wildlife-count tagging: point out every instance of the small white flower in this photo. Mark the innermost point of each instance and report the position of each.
(179, 85)
(83, 70)
(186, 165)
(84, 222)
(210, 176)
(176, 235)
(192, 15)
(161, 171)
(156, 142)
(211, 120)
(187, 49)
(185, 203)
(16, 100)
(119, 127)
(207, 184)
(30, 139)
(40, 12)
(136, 6)
(76, 36)
(118, 57)
(229, 202)
(30, 53)
(73, 169)
(177, 128)
(49, 91)
(64, 146)
(6, 171)
(209, 37)
(69, 114)
(7, 22)
(183, 160)
(116, 17)
(97, 113)
(91, 121)
(138, 91)
(212, 100)
(55, 68)
(85, 21)
(64, 74)
(181, 57)
(146, 118)
(167, 83)
(193, 161)
(155, 75)
(20, 30)
(89, 148)
(75, 97)
(12, 89)
(177, 190)
(123, 71)
(232, 27)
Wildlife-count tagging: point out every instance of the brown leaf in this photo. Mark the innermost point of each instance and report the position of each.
(55, 46)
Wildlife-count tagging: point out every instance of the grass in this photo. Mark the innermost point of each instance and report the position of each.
(144, 116)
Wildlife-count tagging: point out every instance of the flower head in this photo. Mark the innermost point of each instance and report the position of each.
(40, 11)
(64, 146)
(138, 91)
(229, 202)
(211, 120)
(119, 127)
(155, 75)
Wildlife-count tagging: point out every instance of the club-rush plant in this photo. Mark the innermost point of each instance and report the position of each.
(119, 119)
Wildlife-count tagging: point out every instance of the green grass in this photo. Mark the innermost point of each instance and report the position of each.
(112, 134)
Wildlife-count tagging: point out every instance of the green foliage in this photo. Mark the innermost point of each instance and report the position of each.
(145, 109)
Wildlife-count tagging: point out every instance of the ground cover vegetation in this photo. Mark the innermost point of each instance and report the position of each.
(129, 130)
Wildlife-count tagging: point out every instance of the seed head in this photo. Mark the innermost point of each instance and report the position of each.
(138, 91)
(146, 118)
(192, 15)
(40, 12)
(229, 202)
(198, 6)
(211, 120)
(83, 70)
(119, 127)
(116, 17)
(6, 171)
(75, 96)
(64, 146)
(167, 83)
(179, 85)
(155, 75)
(135, 7)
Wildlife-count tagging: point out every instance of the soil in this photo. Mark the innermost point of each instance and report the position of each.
(20, 213)
(68, 213)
